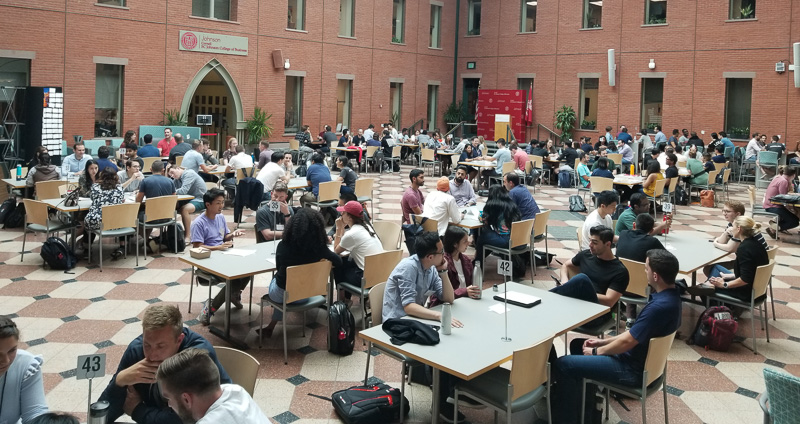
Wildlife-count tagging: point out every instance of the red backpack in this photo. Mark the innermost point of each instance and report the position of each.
(715, 329)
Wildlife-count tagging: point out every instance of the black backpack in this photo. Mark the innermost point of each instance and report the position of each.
(576, 204)
(411, 231)
(681, 198)
(6, 208)
(378, 156)
(168, 238)
(342, 329)
(564, 179)
(619, 210)
(369, 404)
(57, 254)
(301, 170)
(16, 218)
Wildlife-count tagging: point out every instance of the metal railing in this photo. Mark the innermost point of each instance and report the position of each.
(413, 128)
(550, 133)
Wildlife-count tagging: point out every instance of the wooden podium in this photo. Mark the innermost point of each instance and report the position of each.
(500, 123)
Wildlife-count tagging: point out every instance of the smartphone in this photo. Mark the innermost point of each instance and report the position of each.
(558, 282)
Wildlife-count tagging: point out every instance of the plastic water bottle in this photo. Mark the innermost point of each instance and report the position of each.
(19, 172)
(447, 317)
(477, 279)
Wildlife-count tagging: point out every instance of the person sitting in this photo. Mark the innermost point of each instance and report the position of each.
(346, 176)
(190, 383)
(521, 196)
(696, 141)
(132, 153)
(188, 182)
(75, 164)
(43, 171)
(233, 143)
(586, 145)
(602, 141)
(180, 148)
(194, 160)
(699, 175)
(633, 244)
(459, 265)
(607, 201)
(356, 235)
(568, 156)
(413, 200)
(304, 242)
(106, 191)
(240, 160)
(600, 168)
(167, 143)
(37, 156)
(583, 169)
(270, 225)
(317, 173)
(780, 185)
(501, 156)
(461, 189)
(156, 185)
(441, 207)
(638, 205)
(133, 389)
(620, 359)
(272, 172)
(498, 214)
(719, 154)
(103, 161)
(130, 178)
(671, 161)
(653, 175)
(708, 164)
(469, 154)
(603, 153)
(750, 255)
(148, 150)
(22, 397)
(518, 155)
(627, 154)
(265, 154)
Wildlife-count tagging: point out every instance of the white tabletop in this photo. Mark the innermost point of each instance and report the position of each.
(693, 252)
(629, 180)
(470, 219)
(480, 164)
(229, 267)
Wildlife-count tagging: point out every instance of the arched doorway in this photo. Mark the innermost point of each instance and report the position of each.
(212, 91)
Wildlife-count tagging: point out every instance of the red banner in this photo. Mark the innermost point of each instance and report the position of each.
(493, 102)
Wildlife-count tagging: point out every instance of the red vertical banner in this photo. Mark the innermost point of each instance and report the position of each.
(493, 102)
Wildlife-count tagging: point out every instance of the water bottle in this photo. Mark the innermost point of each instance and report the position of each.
(98, 412)
(447, 319)
(19, 172)
(477, 279)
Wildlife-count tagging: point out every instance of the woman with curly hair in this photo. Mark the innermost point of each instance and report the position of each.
(106, 191)
(304, 242)
(498, 214)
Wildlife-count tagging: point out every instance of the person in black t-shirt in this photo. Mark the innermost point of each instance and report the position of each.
(672, 170)
(634, 244)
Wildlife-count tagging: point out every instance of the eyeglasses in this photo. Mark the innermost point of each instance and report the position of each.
(726, 211)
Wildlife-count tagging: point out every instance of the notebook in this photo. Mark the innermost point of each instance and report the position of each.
(519, 299)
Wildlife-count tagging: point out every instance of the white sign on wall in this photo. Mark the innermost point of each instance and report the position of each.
(212, 43)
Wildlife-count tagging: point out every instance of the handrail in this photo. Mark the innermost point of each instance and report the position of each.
(556, 138)
(510, 132)
(456, 126)
(413, 128)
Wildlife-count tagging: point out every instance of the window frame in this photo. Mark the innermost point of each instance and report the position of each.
(472, 6)
(743, 131)
(352, 28)
(347, 109)
(523, 16)
(433, 107)
(585, 18)
(642, 123)
(300, 24)
(120, 69)
(582, 115)
(740, 16)
(212, 10)
(648, 18)
(298, 97)
(400, 102)
(436, 26)
(398, 28)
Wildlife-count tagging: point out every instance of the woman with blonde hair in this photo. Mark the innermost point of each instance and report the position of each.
(751, 254)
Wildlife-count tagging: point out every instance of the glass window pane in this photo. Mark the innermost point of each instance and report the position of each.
(396, 103)
(528, 16)
(524, 84)
(743, 9)
(294, 104)
(592, 13)
(343, 95)
(588, 104)
(108, 100)
(398, 21)
(346, 18)
(436, 29)
(474, 18)
(201, 8)
(222, 9)
(433, 99)
(112, 2)
(13, 73)
(296, 15)
(738, 97)
(655, 12)
(652, 102)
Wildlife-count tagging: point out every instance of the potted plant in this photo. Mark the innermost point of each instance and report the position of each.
(454, 113)
(258, 126)
(173, 118)
(746, 12)
(565, 121)
(588, 125)
(394, 119)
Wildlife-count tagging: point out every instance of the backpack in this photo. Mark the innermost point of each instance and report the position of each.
(718, 180)
(378, 156)
(564, 179)
(378, 403)
(57, 254)
(6, 208)
(738, 155)
(342, 329)
(16, 218)
(411, 231)
(301, 170)
(681, 198)
(715, 329)
(576, 203)
(707, 198)
(168, 238)
(619, 210)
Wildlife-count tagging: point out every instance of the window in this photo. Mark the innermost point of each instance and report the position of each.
(524, 84)
(738, 95)
(347, 18)
(743, 9)
(652, 102)
(592, 13)
(433, 99)
(588, 104)
(396, 103)
(436, 26)
(528, 16)
(108, 100)
(296, 18)
(398, 21)
(120, 3)
(474, 17)
(655, 12)
(13, 73)
(214, 9)
(344, 92)
(294, 105)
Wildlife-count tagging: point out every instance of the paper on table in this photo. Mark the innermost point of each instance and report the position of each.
(669, 247)
(498, 308)
(238, 252)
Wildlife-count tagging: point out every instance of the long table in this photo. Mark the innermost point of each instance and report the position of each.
(480, 338)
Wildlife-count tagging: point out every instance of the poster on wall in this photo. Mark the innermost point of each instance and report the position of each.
(53, 120)
(505, 102)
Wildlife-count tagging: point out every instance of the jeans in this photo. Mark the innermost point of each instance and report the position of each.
(276, 294)
(349, 272)
(717, 270)
(570, 370)
(580, 287)
(346, 189)
(491, 238)
(786, 219)
(237, 286)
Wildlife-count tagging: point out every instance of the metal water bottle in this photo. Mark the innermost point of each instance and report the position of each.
(19, 172)
(477, 278)
(447, 317)
(98, 413)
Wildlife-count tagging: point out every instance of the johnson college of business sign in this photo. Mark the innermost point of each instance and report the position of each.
(212, 43)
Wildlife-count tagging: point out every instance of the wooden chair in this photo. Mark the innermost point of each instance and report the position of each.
(658, 192)
(771, 252)
(364, 193)
(430, 225)
(390, 233)
(540, 233)
(507, 167)
(396, 157)
(370, 157)
(758, 295)
(242, 173)
(50, 189)
(518, 243)
(512, 390)
(726, 176)
(654, 377)
(117, 221)
(538, 165)
(709, 185)
(720, 166)
(147, 163)
(596, 185)
(638, 290)
(241, 367)
(617, 158)
(294, 150)
(303, 282)
(160, 212)
(377, 269)
(38, 221)
(328, 196)
(428, 157)
(670, 195)
(178, 160)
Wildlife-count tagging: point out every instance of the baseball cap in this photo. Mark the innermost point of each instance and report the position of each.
(352, 207)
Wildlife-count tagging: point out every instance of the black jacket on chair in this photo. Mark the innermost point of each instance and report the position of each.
(249, 193)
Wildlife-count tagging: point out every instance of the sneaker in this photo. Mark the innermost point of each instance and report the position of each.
(465, 401)
(154, 247)
(206, 313)
(446, 413)
(236, 299)
(772, 233)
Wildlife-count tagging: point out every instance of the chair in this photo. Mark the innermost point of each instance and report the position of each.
(328, 195)
(512, 390)
(241, 367)
(658, 192)
(728, 153)
(758, 295)
(507, 167)
(744, 165)
(117, 221)
(758, 209)
(726, 176)
(538, 165)
(771, 252)
(518, 243)
(654, 377)
(540, 233)
(364, 193)
(428, 158)
(767, 159)
(638, 291)
(390, 233)
(783, 394)
(50, 189)
(396, 153)
(309, 282)
(670, 195)
(377, 269)
(147, 163)
(617, 158)
(430, 225)
(719, 166)
(294, 150)
(178, 160)
(596, 185)
(210, 185)
(575, 176)
(37, 221)
(370, 157)
(160, 212)
(376, 306)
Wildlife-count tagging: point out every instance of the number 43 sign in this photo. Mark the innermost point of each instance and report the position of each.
(91, 366)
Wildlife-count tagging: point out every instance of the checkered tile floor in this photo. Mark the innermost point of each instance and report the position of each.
(65, 315)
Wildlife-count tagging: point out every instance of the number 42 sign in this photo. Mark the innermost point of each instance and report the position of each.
(91, 366)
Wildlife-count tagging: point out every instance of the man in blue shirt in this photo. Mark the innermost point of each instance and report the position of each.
(660, 136)
(317, 173)
(521, 196)
(619, 359)
(148, 150)
(75, 163)
(624, 136)
(725, 140)
(102, 160)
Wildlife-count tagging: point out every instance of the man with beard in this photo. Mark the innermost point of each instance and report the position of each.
(463, 192)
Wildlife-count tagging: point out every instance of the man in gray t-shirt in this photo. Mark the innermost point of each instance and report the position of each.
(188, 182)
(501, 156)
(270, 225)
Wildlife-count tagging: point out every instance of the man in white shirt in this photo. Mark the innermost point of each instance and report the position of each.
(606, 204)
(272, 172)
(441, 206)
(240, 160)
(189, 381)
(369, 132)
(753, 147)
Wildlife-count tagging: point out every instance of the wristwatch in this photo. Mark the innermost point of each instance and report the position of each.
(724, 284)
